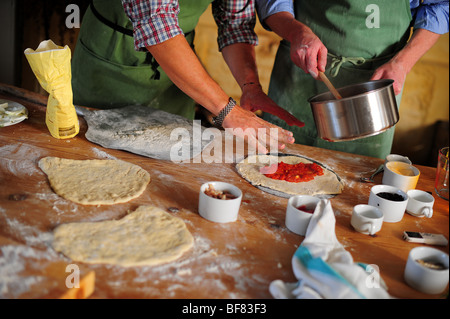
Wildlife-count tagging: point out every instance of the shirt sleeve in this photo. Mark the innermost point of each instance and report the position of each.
(154, 21)
(431, 15)
(236, 20)
(266, 8)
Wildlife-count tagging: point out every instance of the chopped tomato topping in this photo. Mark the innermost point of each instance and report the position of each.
(296, 173)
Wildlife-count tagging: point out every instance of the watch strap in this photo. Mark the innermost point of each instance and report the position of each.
(218, 120)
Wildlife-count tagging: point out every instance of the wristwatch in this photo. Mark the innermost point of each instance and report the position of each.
(218, 120)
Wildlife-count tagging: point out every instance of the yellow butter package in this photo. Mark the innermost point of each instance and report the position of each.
(51, 66)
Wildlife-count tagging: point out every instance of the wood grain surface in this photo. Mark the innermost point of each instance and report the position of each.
(235, 260)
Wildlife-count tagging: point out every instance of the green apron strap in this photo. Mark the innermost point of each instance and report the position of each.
(337, 62)
(154, 64)
(110, 24)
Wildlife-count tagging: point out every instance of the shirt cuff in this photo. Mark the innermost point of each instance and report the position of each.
(155, 31)
(235, 27)
(229, 37)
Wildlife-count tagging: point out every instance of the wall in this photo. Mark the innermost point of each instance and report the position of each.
(424, 104)
(43, 20)
(425, 100)
(8, 56)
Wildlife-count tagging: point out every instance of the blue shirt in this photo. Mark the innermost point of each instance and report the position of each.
(431, 15)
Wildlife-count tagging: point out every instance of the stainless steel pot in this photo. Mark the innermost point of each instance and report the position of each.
(366, 109)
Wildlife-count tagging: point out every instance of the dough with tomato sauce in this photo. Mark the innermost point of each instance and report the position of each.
(326, 184)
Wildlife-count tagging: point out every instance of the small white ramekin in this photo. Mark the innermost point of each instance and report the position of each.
(219, 210)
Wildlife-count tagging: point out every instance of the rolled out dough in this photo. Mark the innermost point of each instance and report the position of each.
(326, 184)
(146, 237)
(95, 182)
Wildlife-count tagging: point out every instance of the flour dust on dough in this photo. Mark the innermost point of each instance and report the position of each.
(95, 182)
(146, 237)
(249, 168)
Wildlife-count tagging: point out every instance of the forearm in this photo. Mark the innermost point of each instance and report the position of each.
(286, 26)
(241, 60)
(421, 41)
(182, 66)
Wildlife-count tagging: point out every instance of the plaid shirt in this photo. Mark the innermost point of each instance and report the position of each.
(155, 21)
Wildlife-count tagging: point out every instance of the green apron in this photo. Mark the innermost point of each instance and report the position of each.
(355, 51)
(107, 72)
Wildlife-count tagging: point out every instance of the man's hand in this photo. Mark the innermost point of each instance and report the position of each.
(401, 64)
(258, 133)
(254, 99)
(394, 71)
(308, 52)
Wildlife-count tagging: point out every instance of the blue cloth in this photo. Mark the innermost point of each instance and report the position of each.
(431, 15)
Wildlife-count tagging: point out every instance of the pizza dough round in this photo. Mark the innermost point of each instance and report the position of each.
(146, 237)
(95, 182)
(249, 168)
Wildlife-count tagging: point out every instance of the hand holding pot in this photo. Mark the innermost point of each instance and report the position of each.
(308, 52)
(392, 70)
(401, 64)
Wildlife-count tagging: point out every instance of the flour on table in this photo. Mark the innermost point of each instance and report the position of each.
(95, 182)
(146, 237)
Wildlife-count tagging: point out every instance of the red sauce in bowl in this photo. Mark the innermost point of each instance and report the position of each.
(306, 210)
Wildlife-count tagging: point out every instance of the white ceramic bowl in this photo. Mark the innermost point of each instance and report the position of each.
(219, 210)
(367, 219)
(420, 203)
(393, 211)
(422, 278)
(400, 175)
(297, 221)
(397, 158)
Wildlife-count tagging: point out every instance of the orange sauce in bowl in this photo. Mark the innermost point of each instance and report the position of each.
(403, 171)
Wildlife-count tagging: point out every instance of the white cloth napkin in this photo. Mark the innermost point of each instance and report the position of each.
(325, 270)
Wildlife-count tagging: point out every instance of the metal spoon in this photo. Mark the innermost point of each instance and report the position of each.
(370, 179)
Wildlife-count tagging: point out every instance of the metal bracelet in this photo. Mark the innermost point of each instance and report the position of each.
(218, 120)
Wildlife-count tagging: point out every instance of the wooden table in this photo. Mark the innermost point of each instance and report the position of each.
(235, 260)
